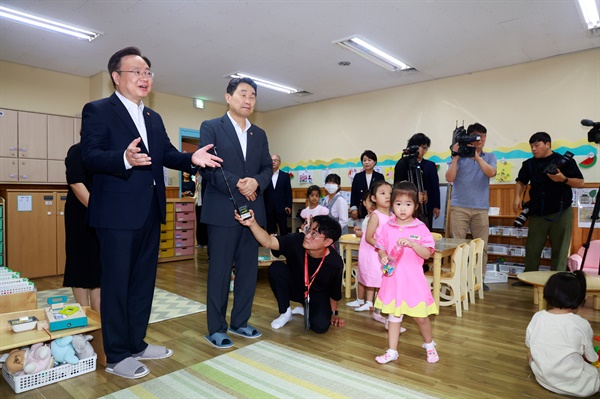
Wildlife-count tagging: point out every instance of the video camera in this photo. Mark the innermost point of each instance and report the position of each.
(410, 151)
(463, 139)
(554, 167)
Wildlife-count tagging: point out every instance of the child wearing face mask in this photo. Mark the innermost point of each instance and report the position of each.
(335, 202)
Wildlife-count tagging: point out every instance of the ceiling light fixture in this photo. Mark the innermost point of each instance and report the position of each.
(372, 54)
(43, 23)
(266, 83)
(590, 13)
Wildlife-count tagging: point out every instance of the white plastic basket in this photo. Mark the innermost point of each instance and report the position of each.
(26, 382)
(495, 277)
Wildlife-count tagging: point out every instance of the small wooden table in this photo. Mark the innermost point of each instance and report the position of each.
(265, 257)
(538, 280)
(347, 246)
(443, 248)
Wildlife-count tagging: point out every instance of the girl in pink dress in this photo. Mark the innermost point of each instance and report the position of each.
(369, 268)
(404, 289)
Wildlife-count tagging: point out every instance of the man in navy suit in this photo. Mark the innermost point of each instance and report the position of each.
(125, 145)
(246, 170)
(278, 199)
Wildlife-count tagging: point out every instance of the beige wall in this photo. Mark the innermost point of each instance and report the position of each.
(550, 95)
(514, 102)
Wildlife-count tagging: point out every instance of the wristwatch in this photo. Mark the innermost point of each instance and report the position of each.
(566, 180)
(334, 312)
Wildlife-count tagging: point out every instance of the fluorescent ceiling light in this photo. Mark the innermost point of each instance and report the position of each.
(266, 83)
(590, 13)
(372, 54)
(43, 23)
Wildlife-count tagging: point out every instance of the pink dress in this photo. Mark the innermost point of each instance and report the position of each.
(407, 290)
(369, 266)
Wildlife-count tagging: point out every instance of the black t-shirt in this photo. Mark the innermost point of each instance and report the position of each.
(548, 197)
(329, 278)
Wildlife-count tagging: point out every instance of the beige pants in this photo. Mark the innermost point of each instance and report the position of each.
(476, 220)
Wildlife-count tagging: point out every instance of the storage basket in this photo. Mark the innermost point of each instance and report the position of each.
(495, 277)
(26, 382)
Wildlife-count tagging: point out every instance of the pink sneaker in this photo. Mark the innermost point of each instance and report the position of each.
(432, 356)
(387, 357)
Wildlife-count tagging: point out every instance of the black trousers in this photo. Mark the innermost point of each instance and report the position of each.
(274, 220)
(201, 229)
(229, 245)
(129, 261)
(286, 289)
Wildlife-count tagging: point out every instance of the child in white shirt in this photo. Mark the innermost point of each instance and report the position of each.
(560, 341)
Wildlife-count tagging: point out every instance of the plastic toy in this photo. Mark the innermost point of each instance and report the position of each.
(63, 351)
(393, 258)
(82, 346)
(38, 358)
(597, 342)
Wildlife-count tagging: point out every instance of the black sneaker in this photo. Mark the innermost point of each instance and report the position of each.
(485, 287)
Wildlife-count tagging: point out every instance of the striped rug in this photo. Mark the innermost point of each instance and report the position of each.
(265, 370)
(165, 304)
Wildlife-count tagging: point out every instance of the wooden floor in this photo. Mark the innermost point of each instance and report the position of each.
(482, 354)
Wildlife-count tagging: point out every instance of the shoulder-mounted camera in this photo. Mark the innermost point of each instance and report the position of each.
(460, 136)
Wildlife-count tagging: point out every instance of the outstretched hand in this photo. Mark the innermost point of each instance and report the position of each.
(248, 222)
(134, 155)
(203, 158)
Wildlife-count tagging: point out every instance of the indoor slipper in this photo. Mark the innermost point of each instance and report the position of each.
(219, 340)
(246, 332)
(128, 368)
(153, 352)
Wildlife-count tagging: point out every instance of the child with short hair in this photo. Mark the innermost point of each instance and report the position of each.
(560, 341)
(335, 202)
(404, 289)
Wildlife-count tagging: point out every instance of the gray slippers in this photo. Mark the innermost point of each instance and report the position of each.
(153, 352)
(128, 368)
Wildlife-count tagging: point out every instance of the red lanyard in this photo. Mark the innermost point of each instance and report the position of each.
(308, 282)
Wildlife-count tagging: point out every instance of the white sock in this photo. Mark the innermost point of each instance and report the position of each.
(430, 345)
(282, 319)
(298, 310)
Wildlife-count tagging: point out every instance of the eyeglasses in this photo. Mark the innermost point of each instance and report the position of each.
(141, 74)
(313, 235)
(424, 147)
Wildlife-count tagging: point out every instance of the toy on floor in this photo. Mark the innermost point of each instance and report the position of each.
(597, 342)
(63, 351)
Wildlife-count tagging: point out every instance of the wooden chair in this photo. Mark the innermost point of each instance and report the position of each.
(454, 282)
(354, 271)
(436, 236)
(475, 272)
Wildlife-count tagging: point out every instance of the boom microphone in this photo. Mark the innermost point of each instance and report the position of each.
(590, 123)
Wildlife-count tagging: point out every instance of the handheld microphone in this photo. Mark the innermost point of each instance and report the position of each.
(590, 123)
(243, 210)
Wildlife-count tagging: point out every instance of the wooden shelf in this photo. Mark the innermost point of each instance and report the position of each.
(11, 339)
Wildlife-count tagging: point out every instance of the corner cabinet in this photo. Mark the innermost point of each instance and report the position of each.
(177, 235)
(33, 146)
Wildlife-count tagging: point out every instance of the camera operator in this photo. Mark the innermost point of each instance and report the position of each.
(550, 213)
(470, 178)
(412, 160)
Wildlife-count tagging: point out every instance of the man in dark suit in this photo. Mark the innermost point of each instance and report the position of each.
(125, 146)
(246, 170)
(278, 199)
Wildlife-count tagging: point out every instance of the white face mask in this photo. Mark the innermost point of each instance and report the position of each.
(331, 188)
